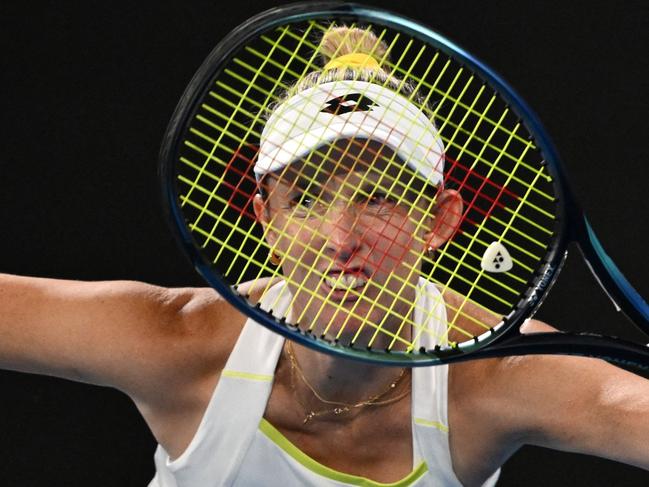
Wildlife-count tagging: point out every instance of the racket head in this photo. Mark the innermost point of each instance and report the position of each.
(230, 69)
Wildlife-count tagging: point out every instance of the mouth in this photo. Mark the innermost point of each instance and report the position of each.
(345, 285)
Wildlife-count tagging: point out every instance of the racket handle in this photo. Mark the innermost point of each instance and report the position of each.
(617, 287)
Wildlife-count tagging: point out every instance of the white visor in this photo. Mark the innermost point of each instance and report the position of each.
(346, 110)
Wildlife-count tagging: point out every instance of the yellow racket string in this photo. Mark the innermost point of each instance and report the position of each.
(381, 324)
(473, 154)
(343, 325)
(240, 97)
(296, 261)
(395, 66)
(224, 165)
(235, 227)
(431, 87)
(460, 129)
(225, 131)
(472, 241)
(299, 318)
(495, 218)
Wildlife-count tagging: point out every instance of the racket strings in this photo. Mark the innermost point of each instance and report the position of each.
(241, 101)
(274, 271)
(342, 325)
(450, 177)
(335, 258)
(444, 96)
(463, 148)
(473, 240)
(402, 168)
(397, 66)
(225, 130)
(236, 190)
(462, 183)
(431, 88)
(379, 327)
(492, 209)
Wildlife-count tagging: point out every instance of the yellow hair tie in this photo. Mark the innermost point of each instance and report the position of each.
(353, 60)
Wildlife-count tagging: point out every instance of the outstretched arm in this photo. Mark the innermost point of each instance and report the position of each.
(117, 333)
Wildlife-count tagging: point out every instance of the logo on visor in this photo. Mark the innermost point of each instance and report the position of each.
(353, 102)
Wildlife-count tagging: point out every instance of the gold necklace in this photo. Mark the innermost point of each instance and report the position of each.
(340, 407)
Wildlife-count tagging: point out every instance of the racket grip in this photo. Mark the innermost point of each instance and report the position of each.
(615, 285)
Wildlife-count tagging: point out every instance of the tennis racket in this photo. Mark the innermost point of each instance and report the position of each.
(377, 218)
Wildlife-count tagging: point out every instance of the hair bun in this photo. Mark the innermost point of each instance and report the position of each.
(342, 40)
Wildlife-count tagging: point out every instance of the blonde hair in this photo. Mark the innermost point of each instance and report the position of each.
(339, 41)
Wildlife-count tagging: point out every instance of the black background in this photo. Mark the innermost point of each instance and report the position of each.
(87, 90)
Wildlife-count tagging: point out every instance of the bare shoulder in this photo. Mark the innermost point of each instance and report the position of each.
(562, 402)
(208, 327)
(494, 400)
(205, 331)
(488, 398)
(506, 391)
(208, 323)
(163, 347)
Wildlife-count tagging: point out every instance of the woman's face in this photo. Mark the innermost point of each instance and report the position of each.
(350, 227)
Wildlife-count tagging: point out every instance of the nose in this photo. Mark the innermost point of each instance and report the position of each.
(341, 231)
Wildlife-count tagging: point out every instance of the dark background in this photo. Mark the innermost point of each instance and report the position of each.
(87, 90)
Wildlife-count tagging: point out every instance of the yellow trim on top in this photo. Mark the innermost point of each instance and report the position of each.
(435, 424)
(353, 60)
(235, 374)
(306, 461)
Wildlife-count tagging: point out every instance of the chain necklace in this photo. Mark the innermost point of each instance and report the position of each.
(340, 407)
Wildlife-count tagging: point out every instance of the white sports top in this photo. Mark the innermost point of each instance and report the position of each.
(235, 446)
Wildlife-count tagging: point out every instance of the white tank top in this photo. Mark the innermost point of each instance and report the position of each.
(235, 446)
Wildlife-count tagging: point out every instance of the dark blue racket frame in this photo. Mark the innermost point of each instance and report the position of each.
(573, 225)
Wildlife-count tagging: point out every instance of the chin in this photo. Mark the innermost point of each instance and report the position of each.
(360, 325)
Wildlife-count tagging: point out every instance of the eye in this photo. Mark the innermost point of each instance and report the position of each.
(302, 199)
(376, 198)
(380, 198)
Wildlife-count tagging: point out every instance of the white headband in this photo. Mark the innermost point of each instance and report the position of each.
(350, 109)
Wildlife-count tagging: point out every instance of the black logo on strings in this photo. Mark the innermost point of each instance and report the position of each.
(353, 102)
(498, 260)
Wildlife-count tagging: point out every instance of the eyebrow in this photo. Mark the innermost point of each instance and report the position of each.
(387, 171)
(369, 180)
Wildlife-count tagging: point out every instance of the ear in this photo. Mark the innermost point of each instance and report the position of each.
(447, 216)
(263, 216)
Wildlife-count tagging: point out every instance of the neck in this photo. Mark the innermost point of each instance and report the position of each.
(340, 380)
